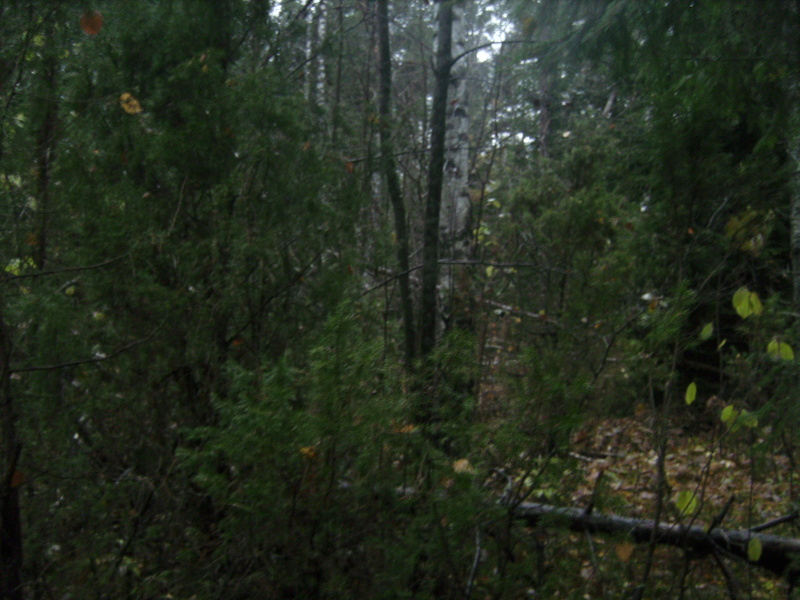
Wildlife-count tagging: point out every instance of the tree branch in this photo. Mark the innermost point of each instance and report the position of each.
(777, 555)
(86, 361)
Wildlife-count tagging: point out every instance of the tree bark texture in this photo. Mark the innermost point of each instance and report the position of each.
(430, 267)
(393, 181)
(455, 226)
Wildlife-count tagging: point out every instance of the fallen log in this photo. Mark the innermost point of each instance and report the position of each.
(779, 555)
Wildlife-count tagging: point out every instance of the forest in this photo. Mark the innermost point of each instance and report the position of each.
(454, 299)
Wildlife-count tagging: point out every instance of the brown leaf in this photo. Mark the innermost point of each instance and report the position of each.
(17, 479)
(91, 22)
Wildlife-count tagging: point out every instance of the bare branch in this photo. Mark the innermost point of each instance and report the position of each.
(94, 359)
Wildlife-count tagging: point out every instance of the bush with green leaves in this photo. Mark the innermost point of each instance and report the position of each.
(320, 485)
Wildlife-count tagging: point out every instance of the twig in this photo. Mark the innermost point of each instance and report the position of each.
(775, 522)
(476, 561)
(730, 580)
(595, 492)
(717, 520)
(35, 274)
(94, 359)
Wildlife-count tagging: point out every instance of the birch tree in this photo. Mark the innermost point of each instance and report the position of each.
(455, 229)
(429, 316)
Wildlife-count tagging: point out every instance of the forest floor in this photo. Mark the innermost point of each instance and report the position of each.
(618, 472)
(712, 465)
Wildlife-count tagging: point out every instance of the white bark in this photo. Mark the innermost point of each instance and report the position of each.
(456, 204)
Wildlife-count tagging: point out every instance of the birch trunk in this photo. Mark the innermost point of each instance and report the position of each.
(456, 205)
(429, 321)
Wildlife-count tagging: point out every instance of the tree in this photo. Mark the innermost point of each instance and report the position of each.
(212, 248)
(456, 223)
(393, 183)
(429, 315)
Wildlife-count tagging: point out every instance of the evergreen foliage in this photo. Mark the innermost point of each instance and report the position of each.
(219, 377)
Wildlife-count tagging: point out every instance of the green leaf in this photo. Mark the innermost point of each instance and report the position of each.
(727, 413)
(707, 332)
(735, 419)
(780, 350)
(686, 503)
(691, 393)
(754, 549)
(489, 271)
(748, 419)
(741, 302)
(756, 307)
(747, 303)
(13, 266)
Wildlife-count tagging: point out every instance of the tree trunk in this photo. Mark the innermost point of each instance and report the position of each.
(46, 143)
(393, 181)
(777, 553)
(337, 83)
(429, 321)
(313, 56)
(793, 143)
(794, 152)
(10, 521)
(455, 230)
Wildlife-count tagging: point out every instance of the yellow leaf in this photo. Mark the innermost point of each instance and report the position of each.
(130, 104)
(309, 452)
(462, 465)
(624, 551)
(403, 428)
